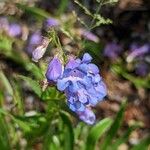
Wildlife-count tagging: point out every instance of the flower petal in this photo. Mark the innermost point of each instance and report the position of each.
(54, 70)
(72, 64)
(86, 58)
(62, 84)
(92, 68)
(87, 116)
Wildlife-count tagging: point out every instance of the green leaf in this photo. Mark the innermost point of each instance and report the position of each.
(4, 135)
(96, 132)
(51, 93)
(62, 6)
(34, 11)
(4, 81)
(137, 81)
(5, 45)
(143, 145)
(36, 71)
(84, 8)
(23, 125)
(67, 33)
(68, 132)
(33, 84)
(114, 128)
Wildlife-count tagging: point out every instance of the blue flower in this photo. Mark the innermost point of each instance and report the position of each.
(87, 116)
(54, 70)
(81, 83)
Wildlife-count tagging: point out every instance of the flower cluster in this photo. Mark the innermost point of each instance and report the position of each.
(81, 83)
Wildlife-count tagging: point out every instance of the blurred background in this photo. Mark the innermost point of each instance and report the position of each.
(115, 33)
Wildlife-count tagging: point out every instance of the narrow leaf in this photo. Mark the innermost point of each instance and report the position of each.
(69, 133)
(33, 84)
(4, 81)
(34, 10)
(114, 128)
(96, 132)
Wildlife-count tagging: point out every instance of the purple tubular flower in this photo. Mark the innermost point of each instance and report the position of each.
(54, 70)
(14, 30)
(90, 36)
(40, 50)
(82, 85)
(87, 116)
(112, 50)
(138, 52)
(34, 40)
(51, 22)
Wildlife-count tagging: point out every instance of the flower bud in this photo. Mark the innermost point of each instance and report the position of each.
(40, 50)
(54, 70)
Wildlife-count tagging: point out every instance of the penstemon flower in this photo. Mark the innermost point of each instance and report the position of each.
(54, 70)
(81, 83)
(34, 40)
(140, 51)
(40, 50)
(89, 36)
